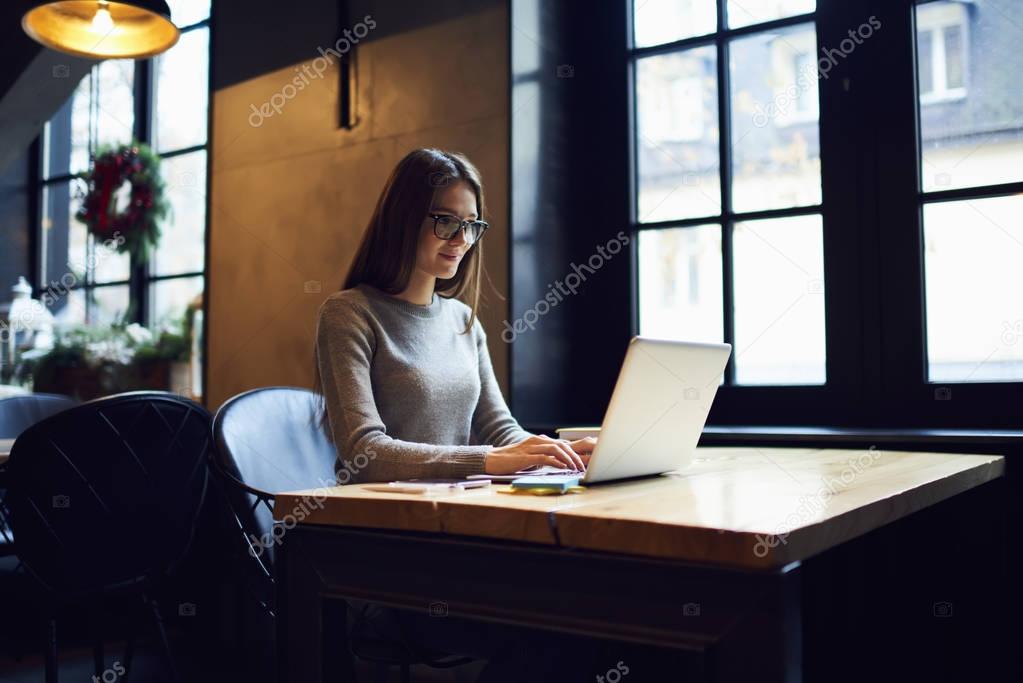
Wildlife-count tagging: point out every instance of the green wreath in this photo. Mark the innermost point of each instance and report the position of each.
(136, 228)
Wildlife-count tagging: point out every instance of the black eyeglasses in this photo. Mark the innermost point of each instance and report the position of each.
(445, 227)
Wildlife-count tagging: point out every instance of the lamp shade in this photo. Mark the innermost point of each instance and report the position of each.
(103, 30)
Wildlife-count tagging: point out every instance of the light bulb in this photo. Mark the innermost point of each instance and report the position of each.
(102, 23)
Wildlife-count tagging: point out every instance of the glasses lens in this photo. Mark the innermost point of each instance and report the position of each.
(474, 231)
(446, 226)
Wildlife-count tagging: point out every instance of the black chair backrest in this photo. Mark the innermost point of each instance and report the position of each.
(267, 441)
(18, 413)
(108, 492)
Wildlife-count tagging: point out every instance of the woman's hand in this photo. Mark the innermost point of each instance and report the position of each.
(584, 447)
(537, 450)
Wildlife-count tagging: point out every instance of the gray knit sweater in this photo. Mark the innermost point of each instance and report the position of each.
(407, 394)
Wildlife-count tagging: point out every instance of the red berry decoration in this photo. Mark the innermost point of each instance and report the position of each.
(136, 229)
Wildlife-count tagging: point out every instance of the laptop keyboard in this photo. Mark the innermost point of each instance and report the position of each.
(547, 469)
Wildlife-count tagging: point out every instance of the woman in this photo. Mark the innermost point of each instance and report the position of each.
(408, 386)
(404, 368)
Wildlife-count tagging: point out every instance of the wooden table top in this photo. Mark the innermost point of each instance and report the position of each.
(741, 507)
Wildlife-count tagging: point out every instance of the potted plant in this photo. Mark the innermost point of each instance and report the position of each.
(87, 362)
(84, 362)
(162, 360)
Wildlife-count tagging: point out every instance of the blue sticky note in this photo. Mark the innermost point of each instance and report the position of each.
(551, 481)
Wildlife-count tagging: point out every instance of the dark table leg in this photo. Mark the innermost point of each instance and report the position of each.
(299, 612)
(766, 643)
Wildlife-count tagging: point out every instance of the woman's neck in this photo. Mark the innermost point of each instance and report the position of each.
(420, 288)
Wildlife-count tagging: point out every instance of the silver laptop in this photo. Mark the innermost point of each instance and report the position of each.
(657, 411)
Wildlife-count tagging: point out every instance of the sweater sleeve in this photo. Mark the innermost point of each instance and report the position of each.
(492, 422)
(344, 352)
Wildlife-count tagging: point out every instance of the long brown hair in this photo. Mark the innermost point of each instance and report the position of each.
(386, 256)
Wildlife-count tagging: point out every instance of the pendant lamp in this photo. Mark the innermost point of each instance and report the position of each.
(100, 29)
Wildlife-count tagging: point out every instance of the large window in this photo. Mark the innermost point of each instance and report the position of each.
(836, 190)
(163, 102)
(728, 199)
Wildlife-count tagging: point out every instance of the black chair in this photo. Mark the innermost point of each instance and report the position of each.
(103, 499)
(269, 440)
(18, 413)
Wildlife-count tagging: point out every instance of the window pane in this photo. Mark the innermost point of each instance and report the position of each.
(973, 251)
(664, 21)
(187, 12)
(64, 240)
(67, 306)
(182, 241)
(677, 136)
(66, 135)
(172, 297)
(746, 12)
(107, 264)
(182, 88)
(779, 301)
(69, 255)
(680, 284)
(971, 110)
(108, 305)
(775, 136)
(116, 102)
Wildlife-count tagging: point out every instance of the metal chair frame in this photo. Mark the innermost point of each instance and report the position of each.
(146, 583)
(233, 487)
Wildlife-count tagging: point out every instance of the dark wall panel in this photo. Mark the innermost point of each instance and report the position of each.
(569, 170)
(15, 256)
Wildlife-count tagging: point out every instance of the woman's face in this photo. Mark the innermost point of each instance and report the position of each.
(437, 257)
